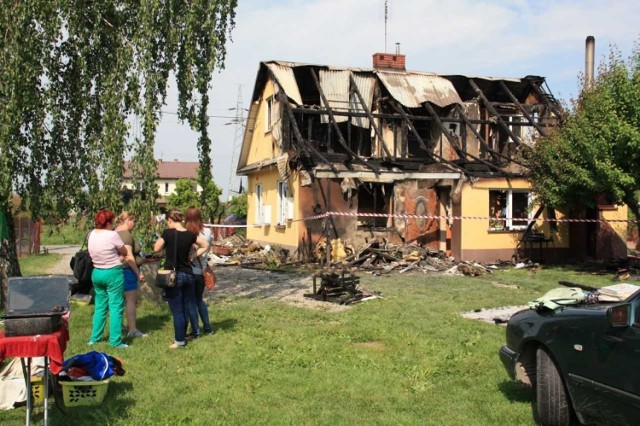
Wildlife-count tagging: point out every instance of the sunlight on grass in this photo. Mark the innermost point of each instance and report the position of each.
(38, 264)
(407, 359)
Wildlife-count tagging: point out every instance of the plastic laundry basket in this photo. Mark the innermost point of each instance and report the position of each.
(83, 393)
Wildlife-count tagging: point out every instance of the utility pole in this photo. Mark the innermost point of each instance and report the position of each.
(239, 121)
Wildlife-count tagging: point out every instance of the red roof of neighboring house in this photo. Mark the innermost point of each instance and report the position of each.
(171, 170)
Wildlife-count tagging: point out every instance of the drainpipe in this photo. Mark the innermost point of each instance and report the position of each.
(589, 54)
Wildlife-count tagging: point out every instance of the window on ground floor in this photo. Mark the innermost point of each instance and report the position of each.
(509, 209)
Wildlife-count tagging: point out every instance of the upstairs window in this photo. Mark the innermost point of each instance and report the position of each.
(268, 119)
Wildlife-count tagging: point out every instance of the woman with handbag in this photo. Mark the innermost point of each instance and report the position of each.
(124, 225)
(177, 242)
(107, 250)
(195, 225)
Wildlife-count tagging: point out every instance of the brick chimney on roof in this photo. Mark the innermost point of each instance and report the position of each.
(389, 61)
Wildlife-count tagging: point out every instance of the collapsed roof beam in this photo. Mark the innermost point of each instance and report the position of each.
(493, 111)
(444, 130)
(433, 155)
(306, 147)
(369, 115)
(485, 145)
(522, 108)
(454, 143)
(336, 127)
(553, 106)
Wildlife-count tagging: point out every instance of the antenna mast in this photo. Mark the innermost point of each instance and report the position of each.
(386, 17)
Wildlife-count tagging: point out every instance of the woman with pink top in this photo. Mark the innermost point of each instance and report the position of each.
(107, 252)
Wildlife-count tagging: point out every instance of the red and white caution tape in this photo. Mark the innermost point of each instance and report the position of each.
(488, 218)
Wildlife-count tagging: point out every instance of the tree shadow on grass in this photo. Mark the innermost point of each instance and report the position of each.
(154, 322)
(224, 325)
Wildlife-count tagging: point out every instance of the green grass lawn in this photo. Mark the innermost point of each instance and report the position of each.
(70, 233)
(38, 264)
(408, 359)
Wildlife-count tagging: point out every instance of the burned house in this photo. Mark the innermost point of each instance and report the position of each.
(412, 157)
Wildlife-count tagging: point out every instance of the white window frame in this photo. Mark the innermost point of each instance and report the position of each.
(283, 195)
(509, 223)
(268, 119)
(166, 187)
(259, 210)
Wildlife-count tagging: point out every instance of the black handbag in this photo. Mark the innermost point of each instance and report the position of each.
(81, 264)
(167, 278)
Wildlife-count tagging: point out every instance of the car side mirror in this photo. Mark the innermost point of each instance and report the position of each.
(618, 316)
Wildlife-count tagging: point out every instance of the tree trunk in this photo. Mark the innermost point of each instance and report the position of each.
(9, 266)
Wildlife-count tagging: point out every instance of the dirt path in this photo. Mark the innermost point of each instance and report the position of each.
(234, 281)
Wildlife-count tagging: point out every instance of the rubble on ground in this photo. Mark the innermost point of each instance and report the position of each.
(377, 257)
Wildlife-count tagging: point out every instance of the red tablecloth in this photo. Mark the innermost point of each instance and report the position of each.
(52, 345)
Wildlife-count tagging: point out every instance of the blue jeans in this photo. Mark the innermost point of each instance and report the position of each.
(182, 302)
(203, 311)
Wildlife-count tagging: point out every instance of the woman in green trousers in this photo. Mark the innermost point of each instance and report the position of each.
(107, 252)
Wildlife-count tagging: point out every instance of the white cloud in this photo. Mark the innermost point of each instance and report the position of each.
(492, 37)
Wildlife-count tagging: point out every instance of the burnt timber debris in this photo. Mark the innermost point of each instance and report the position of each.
(342, 289)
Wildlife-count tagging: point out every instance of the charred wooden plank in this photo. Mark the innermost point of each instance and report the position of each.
(493, 111)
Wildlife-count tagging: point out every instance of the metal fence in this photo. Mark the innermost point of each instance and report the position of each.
(27, 235)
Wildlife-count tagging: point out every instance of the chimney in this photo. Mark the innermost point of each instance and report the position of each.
(589, 54)
(389, 61)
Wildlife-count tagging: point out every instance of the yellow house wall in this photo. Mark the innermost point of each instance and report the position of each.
(617, 213)
(262, 145)
(286, 234)
(475, 233)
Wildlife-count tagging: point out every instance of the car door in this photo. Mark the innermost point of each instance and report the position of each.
(609, 390)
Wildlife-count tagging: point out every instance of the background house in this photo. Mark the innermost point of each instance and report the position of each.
(168, 173)
(372, 145)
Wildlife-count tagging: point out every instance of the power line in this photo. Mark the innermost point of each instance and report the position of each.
(227, 117)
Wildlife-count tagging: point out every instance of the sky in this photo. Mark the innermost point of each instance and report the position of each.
(494, 38)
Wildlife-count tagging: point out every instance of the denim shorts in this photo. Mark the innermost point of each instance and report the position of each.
(130, 280)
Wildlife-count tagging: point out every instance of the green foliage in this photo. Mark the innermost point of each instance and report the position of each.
(184, 195)
(598, 150)
(74, 74)
(238, 205)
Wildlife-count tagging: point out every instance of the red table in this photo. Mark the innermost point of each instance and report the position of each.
(50, 346)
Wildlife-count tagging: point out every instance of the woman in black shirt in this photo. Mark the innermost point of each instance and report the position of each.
(177, 242)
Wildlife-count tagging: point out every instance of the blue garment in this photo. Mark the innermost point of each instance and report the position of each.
(203, 310)
(130, 280)
(99, 365)
(182, 302)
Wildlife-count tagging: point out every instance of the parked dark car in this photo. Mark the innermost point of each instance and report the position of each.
(583, 361)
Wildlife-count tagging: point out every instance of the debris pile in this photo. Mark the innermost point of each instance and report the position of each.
(342, 289)
(383, 257)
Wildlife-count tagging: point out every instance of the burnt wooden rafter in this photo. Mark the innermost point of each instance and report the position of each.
(369, 115)
(553, 106)
(484, 143)
(304, 145)
(454, 143)
(337, 128)
(522, 108)
(432, 112)
(433, 155)
(493, 111)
